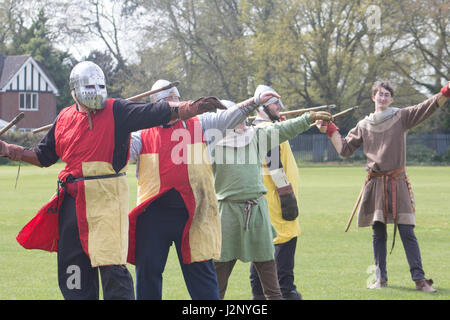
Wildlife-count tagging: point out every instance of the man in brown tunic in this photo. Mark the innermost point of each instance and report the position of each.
(387, 196)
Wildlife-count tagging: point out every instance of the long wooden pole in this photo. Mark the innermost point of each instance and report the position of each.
(301, 111)
(355, 207)
(134, 98)
(147, 93)
(344, 112)
(339, 114)
(19, 117)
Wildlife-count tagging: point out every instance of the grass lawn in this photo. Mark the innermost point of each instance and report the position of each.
(330, 264)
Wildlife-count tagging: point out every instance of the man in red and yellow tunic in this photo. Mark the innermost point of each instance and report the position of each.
(86, 221)
(176, 198)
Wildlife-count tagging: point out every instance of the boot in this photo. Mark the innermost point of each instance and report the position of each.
(379, 283)
(292, 295)
(267, 272)
(425, 285)
(258, 297)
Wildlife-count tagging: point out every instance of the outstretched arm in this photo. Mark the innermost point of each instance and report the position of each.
(278, 132)
(214, 125)
(344, 146)
(18, 153)
(414, 115)
(132, 116)
(221, 121)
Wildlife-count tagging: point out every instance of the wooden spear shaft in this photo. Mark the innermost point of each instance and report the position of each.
(146, 94)
(339, 114)
(301, 111)
(134, 98)
(19, 117)
(355, 207)
(344, 112)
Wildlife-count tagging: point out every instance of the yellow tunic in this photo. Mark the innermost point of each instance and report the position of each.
(286, 229)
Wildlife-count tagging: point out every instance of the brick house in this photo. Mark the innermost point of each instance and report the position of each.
(26, 86)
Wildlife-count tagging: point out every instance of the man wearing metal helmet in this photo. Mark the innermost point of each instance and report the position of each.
(281, 181)
(176, 199)
(86, 221)
(247, 232)
(270, 110)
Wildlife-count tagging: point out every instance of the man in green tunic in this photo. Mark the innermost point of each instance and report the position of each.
(247, 233)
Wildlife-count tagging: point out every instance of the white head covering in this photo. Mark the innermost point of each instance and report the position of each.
(165, 93)
(263, 88)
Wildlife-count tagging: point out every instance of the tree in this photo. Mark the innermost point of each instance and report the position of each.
(204, 40)
(11, 21)
(427, 24)
(36, 41)
(323, 52)
(312, 52)
(95, 20)
(425, 65)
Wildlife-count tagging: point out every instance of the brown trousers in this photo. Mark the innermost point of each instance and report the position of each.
(267, 272)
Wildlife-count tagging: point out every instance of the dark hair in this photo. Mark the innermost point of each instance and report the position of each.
(382, 84)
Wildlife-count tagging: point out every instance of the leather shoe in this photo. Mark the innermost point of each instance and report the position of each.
(425, 285)
(292, 295)
(379, 283)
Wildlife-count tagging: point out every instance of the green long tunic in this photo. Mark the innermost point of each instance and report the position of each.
(237, 169)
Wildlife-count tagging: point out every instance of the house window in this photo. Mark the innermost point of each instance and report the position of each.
(28, 101)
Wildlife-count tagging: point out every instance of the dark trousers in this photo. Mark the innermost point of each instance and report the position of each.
(410, 244)
(156, 229)
(77, 279)
(285, 259)
(267, 272)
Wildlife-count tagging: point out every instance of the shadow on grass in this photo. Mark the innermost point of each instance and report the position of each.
(440, 291)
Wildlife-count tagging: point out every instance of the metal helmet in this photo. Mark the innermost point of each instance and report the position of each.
(227, 103)
(263, 88)
(88, 81)
(171, 92)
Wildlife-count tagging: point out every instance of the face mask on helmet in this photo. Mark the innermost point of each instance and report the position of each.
(88, 82)
(264, 108)
(171, 92)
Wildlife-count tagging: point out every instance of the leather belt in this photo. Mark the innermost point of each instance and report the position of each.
(71, 179)
(386, 176)
(248, 209)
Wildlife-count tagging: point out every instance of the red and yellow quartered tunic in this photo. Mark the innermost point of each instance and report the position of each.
(100, 187)
(177, 158)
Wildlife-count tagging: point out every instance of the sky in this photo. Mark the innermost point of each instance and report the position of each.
(82, 47)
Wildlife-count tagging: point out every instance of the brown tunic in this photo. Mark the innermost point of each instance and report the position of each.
(385, 148)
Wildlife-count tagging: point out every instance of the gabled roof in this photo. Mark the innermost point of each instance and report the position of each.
(11, 65)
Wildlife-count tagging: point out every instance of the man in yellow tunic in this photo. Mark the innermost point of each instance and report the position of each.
(281, 180)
